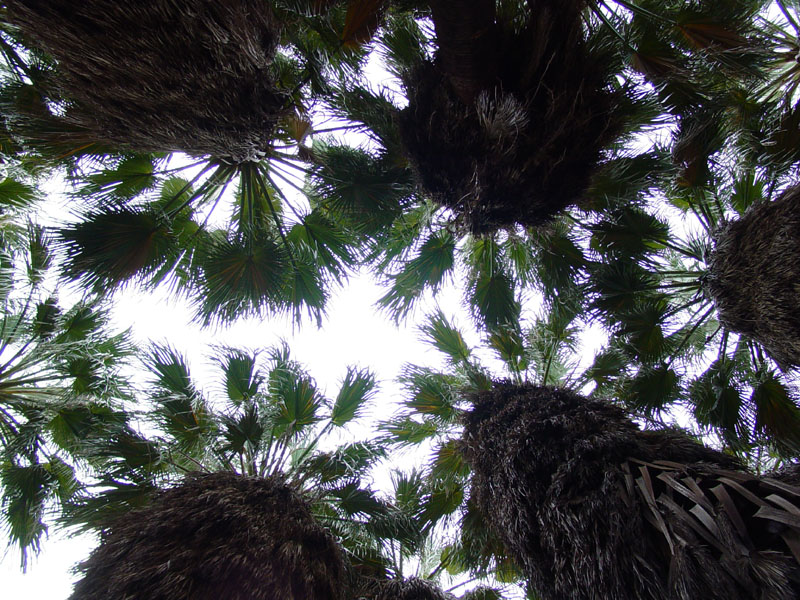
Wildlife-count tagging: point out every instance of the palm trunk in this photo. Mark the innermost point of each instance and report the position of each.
(467, 39)
(593, 507)
(754, 275)
(217, 535)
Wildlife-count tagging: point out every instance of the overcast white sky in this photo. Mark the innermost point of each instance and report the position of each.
(353, 334)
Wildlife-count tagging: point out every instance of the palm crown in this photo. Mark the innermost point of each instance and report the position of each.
(620, 163)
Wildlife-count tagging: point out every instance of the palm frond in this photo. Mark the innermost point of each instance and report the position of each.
(242, 378)
(111, 246)
(358, 388)
(428, 270)
(446, 338)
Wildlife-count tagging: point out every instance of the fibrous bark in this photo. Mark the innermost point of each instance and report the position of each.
(593, 507)
(754, 276)
(217, 536)
(160, 76)
(412, 588)
(509, 121)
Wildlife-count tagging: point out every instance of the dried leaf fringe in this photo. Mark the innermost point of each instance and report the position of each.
(754, 276)
(593, 507)
(191, 75)
(217, 536)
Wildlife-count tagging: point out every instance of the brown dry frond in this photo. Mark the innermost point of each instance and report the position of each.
(217, 536)
(754, 276)
(593, 507)
(525, 146)
(192, 75)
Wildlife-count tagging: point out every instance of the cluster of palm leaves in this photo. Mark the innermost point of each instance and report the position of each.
(60, 374)
(627, 167)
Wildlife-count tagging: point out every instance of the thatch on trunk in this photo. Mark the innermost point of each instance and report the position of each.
(160, 76)
(593, 507)
(754, 276)
(217, 536)
(510, 125)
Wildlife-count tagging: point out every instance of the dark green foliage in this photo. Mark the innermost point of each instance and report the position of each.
(591, 506)
(59, 373)
(217, 535)
(517, 161)
(115, 245)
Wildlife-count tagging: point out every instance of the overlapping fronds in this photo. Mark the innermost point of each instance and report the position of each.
(218, 535)
(591, 505)
(194, 77)
(58, 371)
(753, 276)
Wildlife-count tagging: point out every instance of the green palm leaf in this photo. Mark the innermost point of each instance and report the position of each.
(358, 387)
(777, 416)
(446, 338)
(344, 463)
(26, 490)
(178, 407)
(115, 245)
(652, 389)
(428, 270)
(330, 246)
(717, 401)
(430, 393)
(16, 194)
(365, 192)
(243, 380)
(299, 404)
(236, 277)
(131, 176)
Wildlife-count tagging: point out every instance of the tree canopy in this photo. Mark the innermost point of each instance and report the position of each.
(622, 167)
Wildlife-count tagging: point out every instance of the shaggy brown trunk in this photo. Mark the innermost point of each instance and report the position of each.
(593, 507)
(161, 76)
(467, 38)
(508, 124)
(754, 276)
(217, 536)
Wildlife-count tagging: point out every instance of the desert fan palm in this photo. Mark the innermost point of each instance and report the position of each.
(269, 433)
(592, 506)
(59, 370)
(194, 77)
(232, 85)
(431, 421)
(752, 276)
(507, 122)
(217, 535)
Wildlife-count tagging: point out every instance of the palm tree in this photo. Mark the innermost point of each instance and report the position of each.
(200, 61)
(750, 276)
(654, 278)
(428, 239)
(217, 535)
(431, 418)
(592, 506)
(238, 102)
(59, 375)
(506, 123)
(269, 431)
(657, 289)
